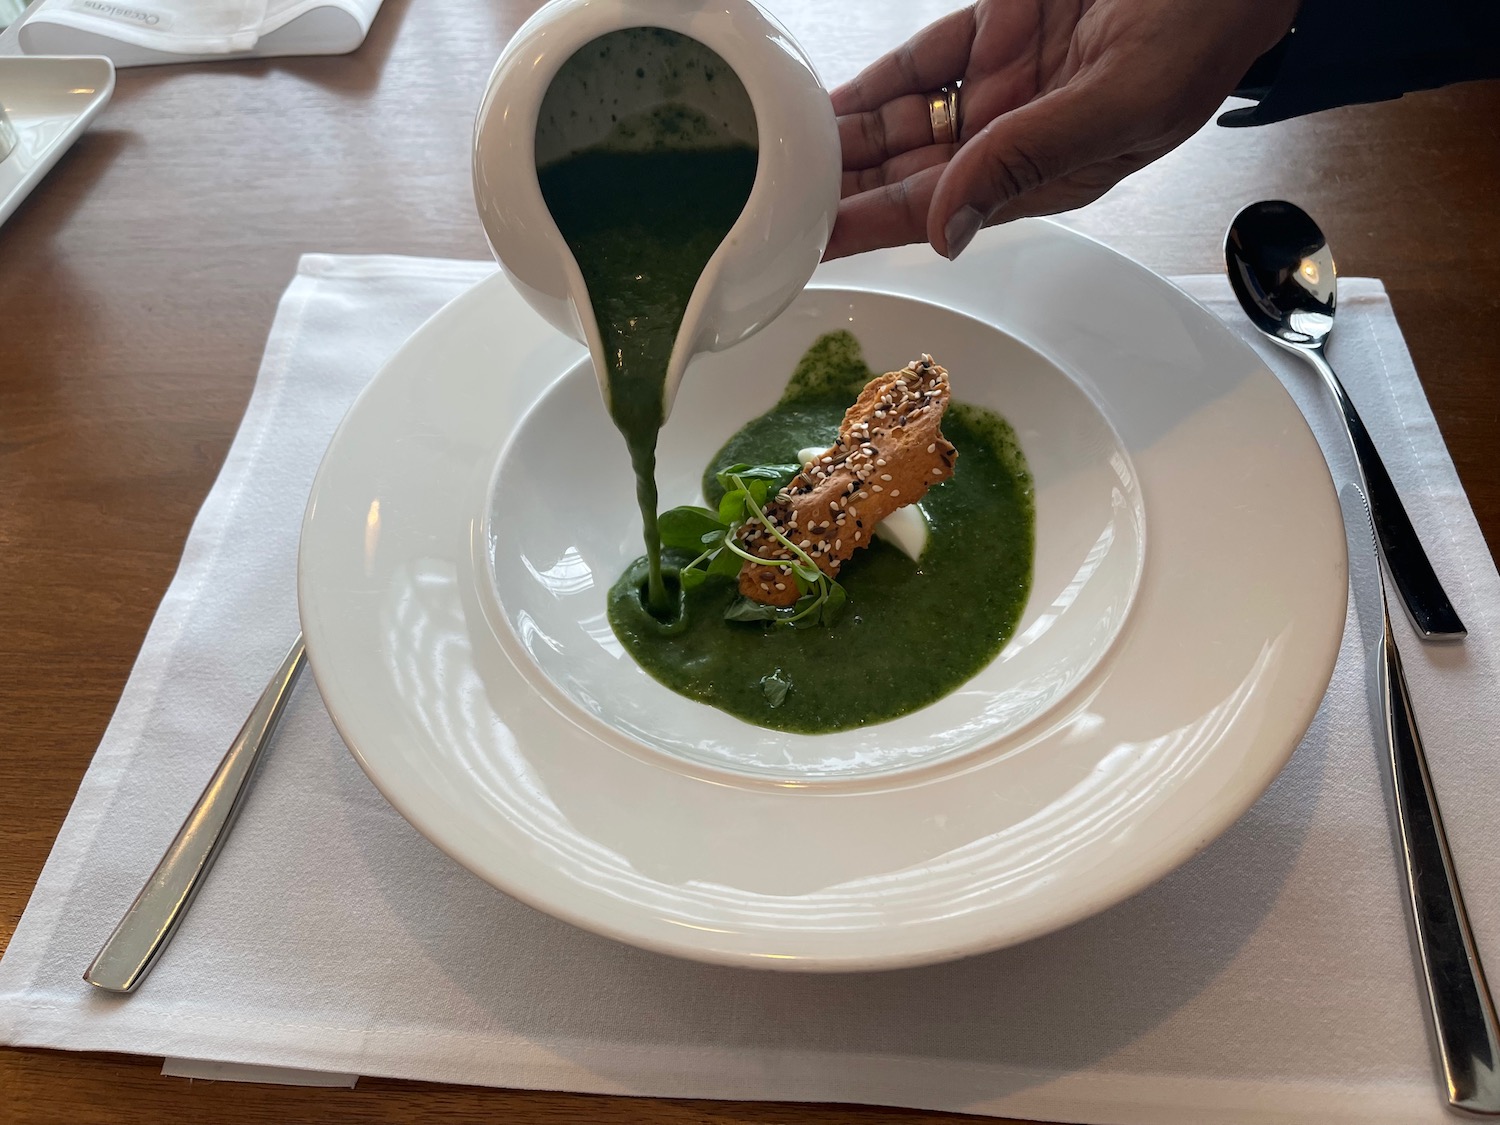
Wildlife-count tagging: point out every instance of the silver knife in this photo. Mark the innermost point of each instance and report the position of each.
(130, 952)
(1458, 999)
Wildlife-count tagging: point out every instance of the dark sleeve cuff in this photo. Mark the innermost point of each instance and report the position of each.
(1342, 52)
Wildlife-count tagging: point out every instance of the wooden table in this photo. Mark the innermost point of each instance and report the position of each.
(138, 284)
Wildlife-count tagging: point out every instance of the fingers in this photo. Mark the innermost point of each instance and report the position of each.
(892, 215)
(866, 222)
(1071, 128)
(935, 56)
(895, 170)
(900, 125)
(1071, 192)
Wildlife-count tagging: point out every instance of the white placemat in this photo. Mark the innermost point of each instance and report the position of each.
(152, 32)
(1269, 980)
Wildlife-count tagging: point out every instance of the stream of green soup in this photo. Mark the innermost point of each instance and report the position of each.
(642, 225)
(912, 631)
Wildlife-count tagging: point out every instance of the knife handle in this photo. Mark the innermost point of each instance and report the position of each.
(1463, 1015)
(147, 928)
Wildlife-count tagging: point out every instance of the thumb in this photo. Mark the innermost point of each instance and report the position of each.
(1069, 128)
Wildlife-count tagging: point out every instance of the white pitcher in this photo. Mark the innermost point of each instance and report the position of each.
(532, 114)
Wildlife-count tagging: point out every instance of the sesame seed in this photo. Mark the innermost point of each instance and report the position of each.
(932, 448)
(937, 472)
(885, 476)
(858, 535)
(781, 585)
(895, 492)
(838, 544)
(877, 488)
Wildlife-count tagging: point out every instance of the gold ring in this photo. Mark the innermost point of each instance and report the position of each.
(942, 106)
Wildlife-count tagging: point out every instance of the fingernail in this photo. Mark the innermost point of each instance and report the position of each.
(961, 229)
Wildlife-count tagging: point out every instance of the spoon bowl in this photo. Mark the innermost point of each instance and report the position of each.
(1282, 270)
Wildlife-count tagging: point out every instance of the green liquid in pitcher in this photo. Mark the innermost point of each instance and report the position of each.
(642, 224)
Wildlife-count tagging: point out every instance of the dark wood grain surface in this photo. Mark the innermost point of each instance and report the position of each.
(138, 285)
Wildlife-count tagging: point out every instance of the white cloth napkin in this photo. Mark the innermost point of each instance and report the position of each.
(148, 32)
(1267, 981)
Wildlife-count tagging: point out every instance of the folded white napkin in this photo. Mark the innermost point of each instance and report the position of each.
(148, 32)
(1267, 981)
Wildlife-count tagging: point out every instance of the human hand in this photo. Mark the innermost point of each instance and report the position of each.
(1061, 99)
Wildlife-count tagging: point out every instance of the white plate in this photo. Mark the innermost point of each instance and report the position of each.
(49, 101)
(563, 525)
(1186, 612)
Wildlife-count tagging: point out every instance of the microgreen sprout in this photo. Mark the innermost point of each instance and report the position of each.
(714, 535)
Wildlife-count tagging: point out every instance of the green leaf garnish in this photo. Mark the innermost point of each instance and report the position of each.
(732, 508)
(715, 536)
(806, 613)
(775, 686)
(748, 609)
(780, 474)
(833, 605)
(726, 563)
(686, 529)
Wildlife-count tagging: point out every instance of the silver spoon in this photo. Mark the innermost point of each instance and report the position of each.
(1282, 271)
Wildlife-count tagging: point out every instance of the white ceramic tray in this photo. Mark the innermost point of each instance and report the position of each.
(50, 101)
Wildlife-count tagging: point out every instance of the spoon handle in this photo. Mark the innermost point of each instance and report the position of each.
(1427, 604)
